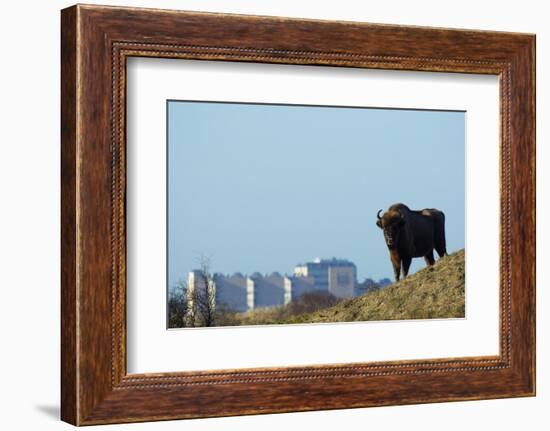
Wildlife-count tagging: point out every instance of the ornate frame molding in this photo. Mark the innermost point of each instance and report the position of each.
(96, 41)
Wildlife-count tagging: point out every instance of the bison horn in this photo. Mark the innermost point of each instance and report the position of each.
(378, 214)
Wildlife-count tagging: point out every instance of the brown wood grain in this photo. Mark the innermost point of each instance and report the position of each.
(95, 42)
(69, 368)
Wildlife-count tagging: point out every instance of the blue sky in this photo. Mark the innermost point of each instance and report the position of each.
(264, 187)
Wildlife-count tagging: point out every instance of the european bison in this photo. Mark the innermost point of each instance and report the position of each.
(411, 234)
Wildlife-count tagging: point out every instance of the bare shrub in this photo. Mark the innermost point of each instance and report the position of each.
(202, 298)
(311, 301)
(177, 305)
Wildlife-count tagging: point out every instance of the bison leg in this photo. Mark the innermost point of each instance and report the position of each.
(397, 272)
(396, 263)
(429, 258)
(406, 265)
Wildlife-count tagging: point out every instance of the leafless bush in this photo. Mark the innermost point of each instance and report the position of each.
(312, 301)
(177, 305)
(202, 297)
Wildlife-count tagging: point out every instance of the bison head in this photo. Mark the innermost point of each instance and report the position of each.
(391, 223)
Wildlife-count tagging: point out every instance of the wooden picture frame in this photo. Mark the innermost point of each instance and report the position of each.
(95, 43)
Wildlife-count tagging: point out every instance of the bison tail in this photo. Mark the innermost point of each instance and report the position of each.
(440, 241)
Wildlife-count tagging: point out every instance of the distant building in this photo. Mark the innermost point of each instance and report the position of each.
(233, 291)
(240, 292)
(269, 290)
(300, 285)
(197, 283)
(337, 276)
(341, 281)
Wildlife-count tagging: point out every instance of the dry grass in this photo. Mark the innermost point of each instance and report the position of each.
(307, 303)
(436, 292)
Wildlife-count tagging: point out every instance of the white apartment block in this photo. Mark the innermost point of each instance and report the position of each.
(240, 292)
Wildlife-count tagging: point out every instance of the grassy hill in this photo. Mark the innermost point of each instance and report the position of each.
(434, 292)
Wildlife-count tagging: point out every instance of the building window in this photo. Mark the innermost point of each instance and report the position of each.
(342, 278)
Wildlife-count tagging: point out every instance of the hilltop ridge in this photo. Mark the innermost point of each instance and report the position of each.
(432, 292)
(435, 292)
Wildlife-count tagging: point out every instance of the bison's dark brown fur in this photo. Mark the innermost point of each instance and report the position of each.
(411, 234)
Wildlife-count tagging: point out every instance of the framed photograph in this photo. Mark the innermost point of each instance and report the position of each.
(264, 214)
